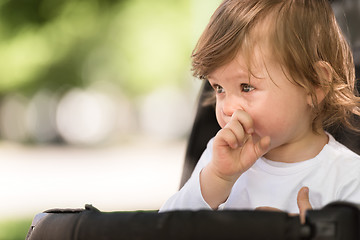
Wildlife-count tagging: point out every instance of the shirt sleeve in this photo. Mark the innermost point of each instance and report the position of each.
(189, 197)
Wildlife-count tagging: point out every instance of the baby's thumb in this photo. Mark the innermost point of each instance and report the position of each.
(262, 146)
(303, 202)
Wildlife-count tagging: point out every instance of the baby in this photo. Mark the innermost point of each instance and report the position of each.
(282, 72)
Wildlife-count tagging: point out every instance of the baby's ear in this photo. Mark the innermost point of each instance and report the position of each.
(324, 73)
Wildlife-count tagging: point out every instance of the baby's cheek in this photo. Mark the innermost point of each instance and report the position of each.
(264, 126)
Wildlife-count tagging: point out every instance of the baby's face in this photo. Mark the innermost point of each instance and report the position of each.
(278, 107)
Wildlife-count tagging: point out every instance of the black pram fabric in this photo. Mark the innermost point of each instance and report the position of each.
(335, 221)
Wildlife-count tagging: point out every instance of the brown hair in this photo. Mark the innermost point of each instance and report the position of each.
(303, 34)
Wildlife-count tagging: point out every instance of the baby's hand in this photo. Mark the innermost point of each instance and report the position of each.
(234, 151)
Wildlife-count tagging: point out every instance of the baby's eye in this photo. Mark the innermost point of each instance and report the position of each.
(219, 89)
(246, 87)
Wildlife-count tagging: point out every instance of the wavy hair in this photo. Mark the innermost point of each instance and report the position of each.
(303, 34)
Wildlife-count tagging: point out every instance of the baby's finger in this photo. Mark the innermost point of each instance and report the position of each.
(238, 131)
(262, 147)
(226, 137)
(245, 120)
(303, 202)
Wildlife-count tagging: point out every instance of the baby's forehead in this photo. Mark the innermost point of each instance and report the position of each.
(240, 69)
(235, 68)
(254, 59)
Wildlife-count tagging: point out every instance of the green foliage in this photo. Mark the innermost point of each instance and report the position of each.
(57, 44)
(155, 43)
(14, 229)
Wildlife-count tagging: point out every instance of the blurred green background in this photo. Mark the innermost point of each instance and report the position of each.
(56, 44)
(56, 51)
(91, 74)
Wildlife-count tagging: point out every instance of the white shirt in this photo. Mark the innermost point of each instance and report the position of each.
(334, 174)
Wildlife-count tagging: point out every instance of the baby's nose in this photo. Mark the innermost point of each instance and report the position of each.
(228, 111)
(230, 106)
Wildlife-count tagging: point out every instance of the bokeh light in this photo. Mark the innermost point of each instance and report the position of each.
(13, 118)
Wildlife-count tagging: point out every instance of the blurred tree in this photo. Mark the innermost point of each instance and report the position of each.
(53, 46)
(59, 44)
(21, 13)
(43, 42)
